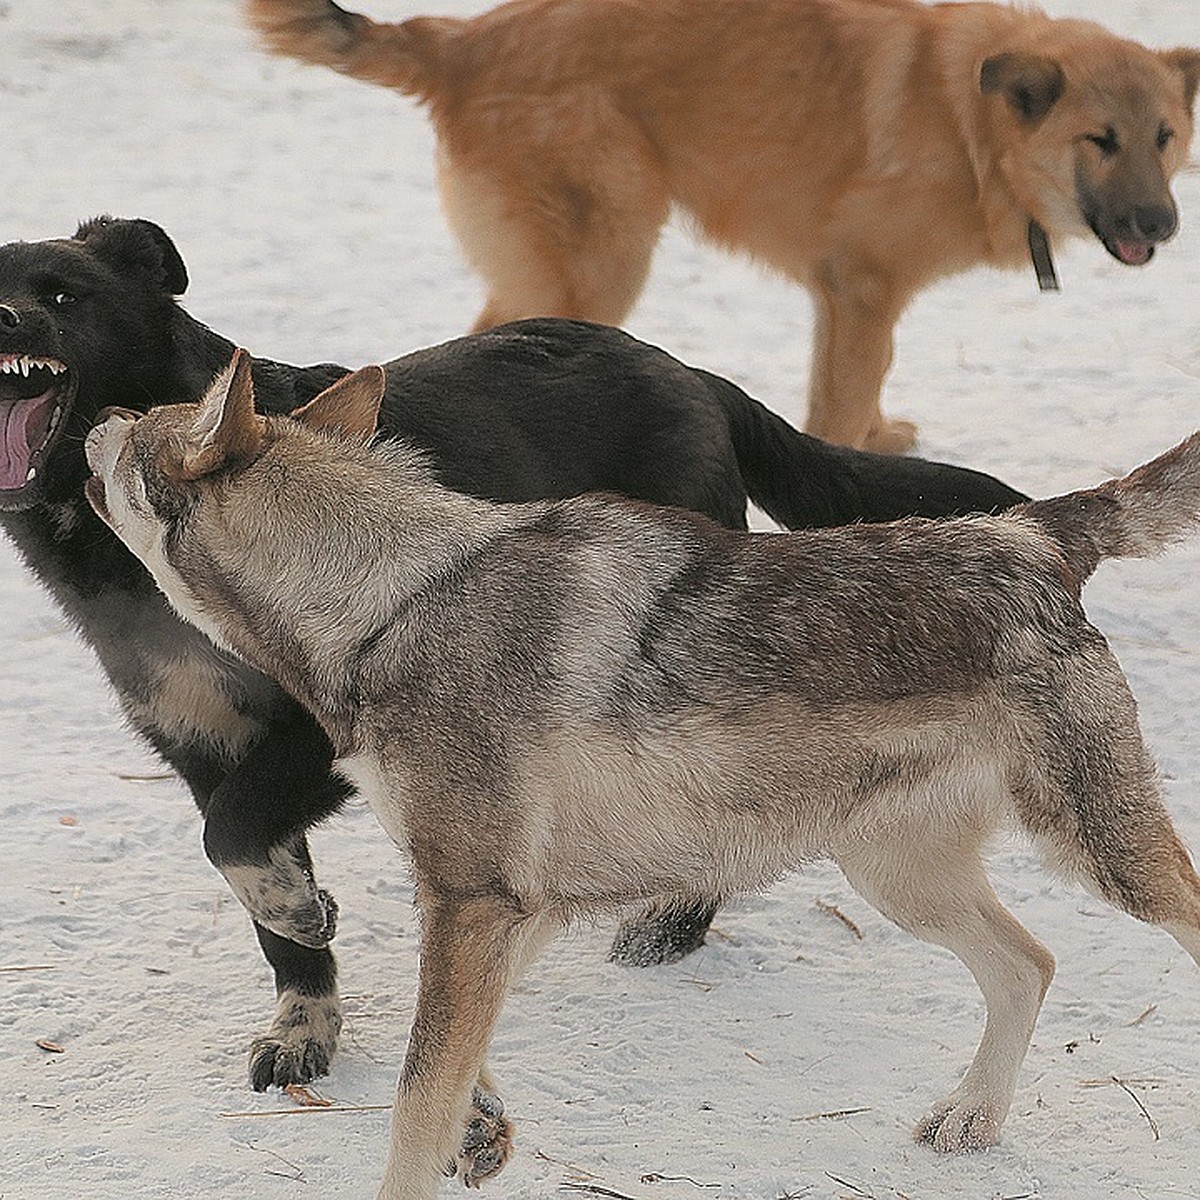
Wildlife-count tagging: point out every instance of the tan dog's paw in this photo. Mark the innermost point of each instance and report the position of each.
(892, 437)
(959, 1125)
(487, 1140)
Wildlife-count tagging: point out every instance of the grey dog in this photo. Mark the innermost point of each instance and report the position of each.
(559, 707)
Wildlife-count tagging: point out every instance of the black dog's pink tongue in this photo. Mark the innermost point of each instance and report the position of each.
(25, 425)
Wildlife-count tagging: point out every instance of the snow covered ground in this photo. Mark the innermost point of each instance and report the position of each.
(304, 205)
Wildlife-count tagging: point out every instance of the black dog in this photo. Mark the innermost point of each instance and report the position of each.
(541, 408)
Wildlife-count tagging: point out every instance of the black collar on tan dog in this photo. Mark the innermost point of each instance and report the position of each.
(1043, 264)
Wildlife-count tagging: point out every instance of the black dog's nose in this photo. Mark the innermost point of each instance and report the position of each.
(9, 316)
(1154, 222)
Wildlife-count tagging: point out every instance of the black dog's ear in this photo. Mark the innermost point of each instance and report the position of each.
(1030, 83)
(136, 245)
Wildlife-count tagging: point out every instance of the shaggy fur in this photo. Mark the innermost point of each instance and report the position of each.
(559, 708)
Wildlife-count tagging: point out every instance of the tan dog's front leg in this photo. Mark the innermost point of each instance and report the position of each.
(856, 312)
(446, 1118)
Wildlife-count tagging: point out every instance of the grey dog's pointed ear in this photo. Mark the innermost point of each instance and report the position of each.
(1187, 63)
(1030, 83)
(350, 406)
(228, 431)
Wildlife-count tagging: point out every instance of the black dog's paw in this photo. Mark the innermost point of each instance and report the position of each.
(300, 1044)
(662, 934)
(311, 925)
(324, 920)
(281, 895)
(487, 1140)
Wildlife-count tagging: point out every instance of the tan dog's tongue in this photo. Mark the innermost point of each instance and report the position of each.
(1133, 253)
(25, 424)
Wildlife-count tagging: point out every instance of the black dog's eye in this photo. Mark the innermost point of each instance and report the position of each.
(1165, 134)
(63, 299)
(1107, 141)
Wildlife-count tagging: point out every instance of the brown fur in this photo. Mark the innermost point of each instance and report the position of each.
(863, 148)
(561, 707)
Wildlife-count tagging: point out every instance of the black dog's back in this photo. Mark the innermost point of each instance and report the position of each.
(547, 408)
(550, 408)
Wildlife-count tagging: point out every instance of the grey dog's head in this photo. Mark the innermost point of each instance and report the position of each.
(159, 479)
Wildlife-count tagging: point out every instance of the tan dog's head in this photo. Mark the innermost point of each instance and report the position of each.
(171, 481)
(1092, 129)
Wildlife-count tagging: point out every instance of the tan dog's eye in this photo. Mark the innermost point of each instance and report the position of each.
(1106, 141)
(1165, 134)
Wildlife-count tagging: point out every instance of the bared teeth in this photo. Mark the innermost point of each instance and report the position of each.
(22, 364)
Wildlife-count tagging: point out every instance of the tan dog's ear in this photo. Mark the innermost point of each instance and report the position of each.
(1187, 62)
(1030, 83)
(228, 431)
(350, 406)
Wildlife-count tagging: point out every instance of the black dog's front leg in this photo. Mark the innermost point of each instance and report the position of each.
(255, 820)
(302, 1039)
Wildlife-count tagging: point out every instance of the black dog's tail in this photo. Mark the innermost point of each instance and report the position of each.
(1134, 517)
(804, 483)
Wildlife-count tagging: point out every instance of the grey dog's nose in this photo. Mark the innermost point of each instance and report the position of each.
(1154, 222)
(9, 316)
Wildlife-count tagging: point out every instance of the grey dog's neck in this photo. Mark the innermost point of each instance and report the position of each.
(349, 543)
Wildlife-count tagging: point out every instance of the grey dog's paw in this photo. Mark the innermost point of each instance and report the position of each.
(311, 925)
(282, 895)
(959, 1125)
(487, 1140)
(300, 1044)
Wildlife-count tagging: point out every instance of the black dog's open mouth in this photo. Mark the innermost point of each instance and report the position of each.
(34, 397)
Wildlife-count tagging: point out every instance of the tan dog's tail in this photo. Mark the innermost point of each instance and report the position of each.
(1133, 517)
(405, 56)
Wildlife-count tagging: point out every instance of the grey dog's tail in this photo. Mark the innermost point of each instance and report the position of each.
(1134, 517)
(405, 56)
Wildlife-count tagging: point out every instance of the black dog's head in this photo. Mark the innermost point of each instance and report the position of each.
(85, 322)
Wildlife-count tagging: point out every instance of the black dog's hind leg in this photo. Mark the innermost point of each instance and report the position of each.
(664, 933)
(254, 823)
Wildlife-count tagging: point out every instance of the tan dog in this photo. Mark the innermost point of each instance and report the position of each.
(558, 708)
(863, 148)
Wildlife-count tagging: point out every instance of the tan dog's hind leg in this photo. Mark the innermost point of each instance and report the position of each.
(555, 236)
(446, 1117)
(932, 883)
(856, 312)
